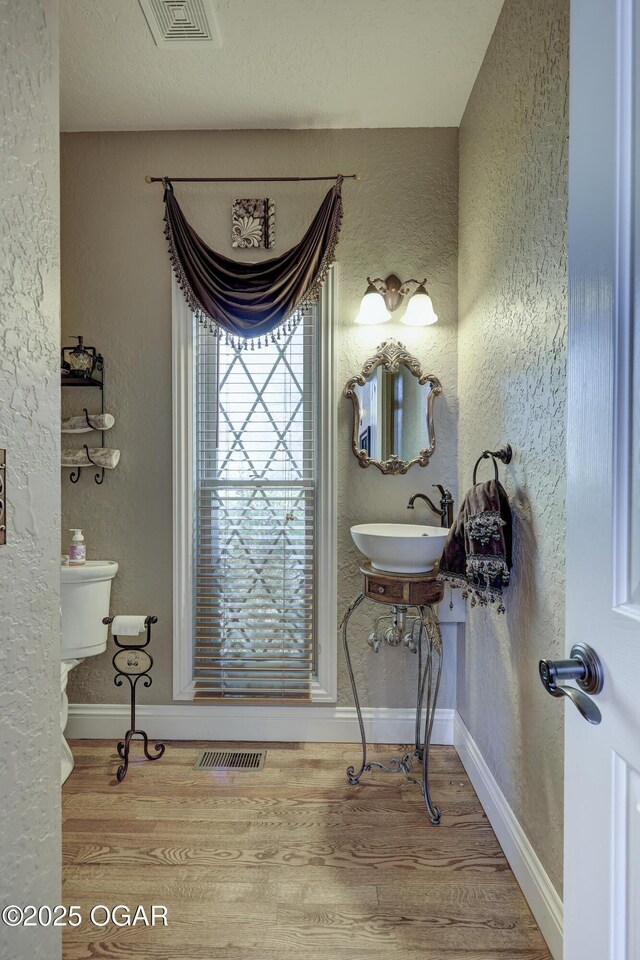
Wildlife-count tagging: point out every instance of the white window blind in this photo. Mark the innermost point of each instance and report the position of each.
(255, 476)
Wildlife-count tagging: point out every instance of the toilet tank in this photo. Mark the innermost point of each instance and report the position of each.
(85, 591)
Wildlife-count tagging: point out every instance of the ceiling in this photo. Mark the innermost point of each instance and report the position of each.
(283, 64)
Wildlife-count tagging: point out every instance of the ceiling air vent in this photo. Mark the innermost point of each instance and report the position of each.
(181, 23)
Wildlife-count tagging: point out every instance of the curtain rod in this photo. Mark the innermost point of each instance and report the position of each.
(346, 176)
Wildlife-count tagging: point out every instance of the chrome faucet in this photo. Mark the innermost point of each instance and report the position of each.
(446, 504)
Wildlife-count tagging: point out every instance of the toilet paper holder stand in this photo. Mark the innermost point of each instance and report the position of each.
(133, 661)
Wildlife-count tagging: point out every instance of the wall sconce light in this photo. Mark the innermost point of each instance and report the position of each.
(383, 297)
(373, 308)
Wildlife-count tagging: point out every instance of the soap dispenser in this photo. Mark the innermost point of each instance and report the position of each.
(77, 548)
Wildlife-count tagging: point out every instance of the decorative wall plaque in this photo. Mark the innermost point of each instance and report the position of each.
(253, 223)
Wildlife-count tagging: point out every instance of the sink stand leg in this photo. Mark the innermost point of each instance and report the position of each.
(352, 776)
(429, 684)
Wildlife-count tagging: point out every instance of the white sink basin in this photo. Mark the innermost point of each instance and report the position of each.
(400, 547)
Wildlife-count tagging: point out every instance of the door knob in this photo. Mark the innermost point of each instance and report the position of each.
(585, 667)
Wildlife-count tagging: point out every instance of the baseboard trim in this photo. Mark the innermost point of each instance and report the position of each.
(541, 895)
(313, 724)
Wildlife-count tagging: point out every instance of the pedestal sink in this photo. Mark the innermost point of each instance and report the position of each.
(400, 547)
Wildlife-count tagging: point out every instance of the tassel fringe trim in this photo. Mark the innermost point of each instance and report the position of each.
(484, 581)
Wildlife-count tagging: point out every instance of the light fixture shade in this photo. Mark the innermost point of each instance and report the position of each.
(420, 312)
(372, 308)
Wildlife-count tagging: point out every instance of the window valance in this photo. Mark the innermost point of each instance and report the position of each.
(250, 301)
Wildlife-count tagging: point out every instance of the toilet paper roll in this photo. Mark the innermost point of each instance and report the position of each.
(128, 626)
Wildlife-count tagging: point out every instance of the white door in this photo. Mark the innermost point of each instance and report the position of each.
(602, 763)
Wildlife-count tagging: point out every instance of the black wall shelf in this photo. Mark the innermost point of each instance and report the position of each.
(81, 382)
(92, 381)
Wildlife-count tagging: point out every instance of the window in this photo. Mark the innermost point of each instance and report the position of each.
(255, 509)
(255, 601)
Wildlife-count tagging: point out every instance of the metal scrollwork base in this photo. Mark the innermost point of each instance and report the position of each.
(123, 751)
(403, 631)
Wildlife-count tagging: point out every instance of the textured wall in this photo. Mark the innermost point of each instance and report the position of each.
(512, 348)
(116, 291)
(29, 429)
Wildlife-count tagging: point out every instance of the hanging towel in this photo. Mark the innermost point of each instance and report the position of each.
(477, 551)
(97, 421)
(98, 457)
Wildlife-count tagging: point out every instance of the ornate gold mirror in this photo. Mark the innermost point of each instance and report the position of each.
(393, 410)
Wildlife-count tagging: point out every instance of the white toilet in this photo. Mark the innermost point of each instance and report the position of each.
(85, 591)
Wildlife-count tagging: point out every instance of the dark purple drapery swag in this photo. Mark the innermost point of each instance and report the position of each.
(249, 301)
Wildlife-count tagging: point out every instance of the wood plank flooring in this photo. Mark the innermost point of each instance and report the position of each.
(288, 862)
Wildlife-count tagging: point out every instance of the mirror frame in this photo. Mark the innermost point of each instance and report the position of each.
(391, 355)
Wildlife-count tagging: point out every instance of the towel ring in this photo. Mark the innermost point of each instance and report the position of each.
(485, 456)
(504, 454)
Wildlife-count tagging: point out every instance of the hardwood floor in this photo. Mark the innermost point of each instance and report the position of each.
(288, 862)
